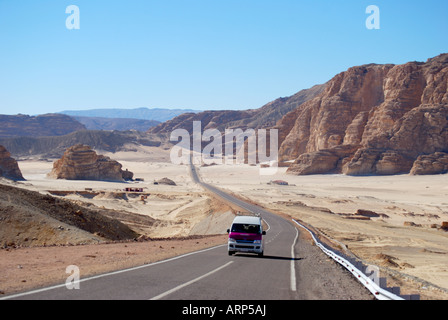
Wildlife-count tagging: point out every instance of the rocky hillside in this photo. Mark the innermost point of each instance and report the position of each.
(80, 162)
(264, 117)
(8, 166)
(39, 126)
(372, 119)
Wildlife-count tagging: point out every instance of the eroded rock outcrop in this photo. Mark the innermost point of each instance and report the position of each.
(8, 166)
(80, 162)
(382, 116)
(322, 161)
(435, 163)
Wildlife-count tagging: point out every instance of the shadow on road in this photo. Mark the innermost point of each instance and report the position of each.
(266, 257)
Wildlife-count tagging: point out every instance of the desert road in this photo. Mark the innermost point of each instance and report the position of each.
(290, 270)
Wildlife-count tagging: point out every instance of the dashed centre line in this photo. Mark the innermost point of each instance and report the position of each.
(162, 295)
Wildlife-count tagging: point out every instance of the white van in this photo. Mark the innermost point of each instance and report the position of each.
(246, 235)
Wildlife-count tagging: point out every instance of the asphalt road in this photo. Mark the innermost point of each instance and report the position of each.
(290, 270)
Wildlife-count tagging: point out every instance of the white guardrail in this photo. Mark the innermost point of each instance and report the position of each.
(370, 284)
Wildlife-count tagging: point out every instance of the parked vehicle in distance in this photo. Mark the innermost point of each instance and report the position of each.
(246, 235)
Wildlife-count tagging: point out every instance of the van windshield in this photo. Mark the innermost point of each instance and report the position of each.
(246, 228)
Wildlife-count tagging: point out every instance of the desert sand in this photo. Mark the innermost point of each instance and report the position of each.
(406, 240)
(180, 210)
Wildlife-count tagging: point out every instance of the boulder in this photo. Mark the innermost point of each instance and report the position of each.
(128, 175)
(8, 166)
(367, 213)
(166, 181)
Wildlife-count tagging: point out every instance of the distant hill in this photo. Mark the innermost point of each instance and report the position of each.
(38, 126)
(120, 124)
(157, 114)
(54, 147)
(262, 118)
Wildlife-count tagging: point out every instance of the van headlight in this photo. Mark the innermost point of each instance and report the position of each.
(257, 241)
(232, 240)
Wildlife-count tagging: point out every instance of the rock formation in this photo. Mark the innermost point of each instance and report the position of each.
(431, 164)
(80, 162)
(166, 181)
(372, 119)
(8, 166)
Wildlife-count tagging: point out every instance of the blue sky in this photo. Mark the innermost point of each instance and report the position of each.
(198, 54)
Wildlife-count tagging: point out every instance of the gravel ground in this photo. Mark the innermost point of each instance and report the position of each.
(328, 279)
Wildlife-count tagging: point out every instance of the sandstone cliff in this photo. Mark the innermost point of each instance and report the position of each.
(371, 119)
(8, 166)
(80, 162)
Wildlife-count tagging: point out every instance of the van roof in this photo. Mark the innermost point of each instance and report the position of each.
(247, 220)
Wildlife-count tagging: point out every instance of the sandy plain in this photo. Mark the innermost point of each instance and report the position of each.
(178, 209)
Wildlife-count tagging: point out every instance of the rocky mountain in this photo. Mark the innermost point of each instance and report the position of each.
(8, 166)
(80, 162)
(38, 126)
(264, 117)
(372, 119)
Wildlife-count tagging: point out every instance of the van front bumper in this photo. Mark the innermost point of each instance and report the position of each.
(240, 247)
